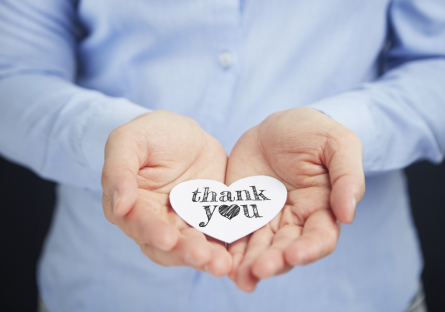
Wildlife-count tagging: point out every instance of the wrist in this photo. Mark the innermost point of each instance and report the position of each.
(107, 117)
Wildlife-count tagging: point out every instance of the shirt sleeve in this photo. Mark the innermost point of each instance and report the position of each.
(400, 118)
(47, 123)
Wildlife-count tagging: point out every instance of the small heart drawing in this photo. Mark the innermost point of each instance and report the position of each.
(214, 208)
(229, 211)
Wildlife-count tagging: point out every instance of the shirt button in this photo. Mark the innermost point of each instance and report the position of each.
(225, 59)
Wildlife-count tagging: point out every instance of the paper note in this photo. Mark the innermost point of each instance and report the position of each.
(230, 212)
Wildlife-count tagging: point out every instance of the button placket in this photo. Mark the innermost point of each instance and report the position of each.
(226, 45)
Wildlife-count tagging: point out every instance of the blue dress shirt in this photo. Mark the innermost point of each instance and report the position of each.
(72, 71)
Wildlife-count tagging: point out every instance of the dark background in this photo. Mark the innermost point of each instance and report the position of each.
(26, 205)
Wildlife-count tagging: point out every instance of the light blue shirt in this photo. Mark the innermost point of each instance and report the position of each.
(72, 71)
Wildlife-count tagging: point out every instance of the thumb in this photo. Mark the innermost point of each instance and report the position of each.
(121, 166)
(344, 162)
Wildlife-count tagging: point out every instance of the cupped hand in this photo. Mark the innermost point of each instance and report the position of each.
(320, 163)
(144, 160)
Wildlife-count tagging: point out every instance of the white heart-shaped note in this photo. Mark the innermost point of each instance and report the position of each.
(230, 212)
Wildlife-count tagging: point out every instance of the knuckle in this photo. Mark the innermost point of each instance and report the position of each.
(163, 115)
(106, 206)
(109, 217)
(330, 242)
(331, 247)
(117, 132)
(154, 255)
(235, 253)
(105, 177)
(348, 136)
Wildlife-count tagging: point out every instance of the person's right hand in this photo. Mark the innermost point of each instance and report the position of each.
(144, 160)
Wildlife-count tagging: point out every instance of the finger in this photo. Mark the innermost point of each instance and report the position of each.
(122, 163)
(319, 239)
(221, 261)
(344, 162)
(149, 228)
(237, 249)
(192, 250)
(271, 261)
(302, 203)
(258, 242)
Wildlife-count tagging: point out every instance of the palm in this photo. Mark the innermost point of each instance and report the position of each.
(302, 172)
(169, 149)
(163, 172)
(306, 228)
(156, 181)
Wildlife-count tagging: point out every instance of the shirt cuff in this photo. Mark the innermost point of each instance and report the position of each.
(353, 110)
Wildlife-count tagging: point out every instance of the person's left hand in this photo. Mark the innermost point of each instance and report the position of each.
(320, 163)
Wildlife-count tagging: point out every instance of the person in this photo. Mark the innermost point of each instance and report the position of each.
(120, 101)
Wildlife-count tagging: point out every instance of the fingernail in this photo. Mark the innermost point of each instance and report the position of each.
(249, 288)
(354, 205)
